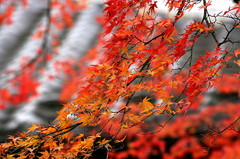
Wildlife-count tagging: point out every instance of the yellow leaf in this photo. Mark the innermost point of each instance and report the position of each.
(22, 157)
(237, 62)
(124, 126)
(87, 143)
(98, 135)
(134, 118)
(85, 118)
(107, 146)
(51, 144)
(49, 130)
(33, 128)
(10, 157)
(103, 142)
(117, 141)
(45, 154)
(145, 105)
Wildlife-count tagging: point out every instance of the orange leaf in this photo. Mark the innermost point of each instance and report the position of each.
(237, 52)
(145, 105)
(33, 128)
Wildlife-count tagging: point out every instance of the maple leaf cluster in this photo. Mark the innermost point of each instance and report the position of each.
(19, 84)
(136, 53)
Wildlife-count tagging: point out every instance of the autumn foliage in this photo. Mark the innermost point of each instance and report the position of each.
(137, 52)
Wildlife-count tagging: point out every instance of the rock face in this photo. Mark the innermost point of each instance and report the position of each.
(16, 42)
